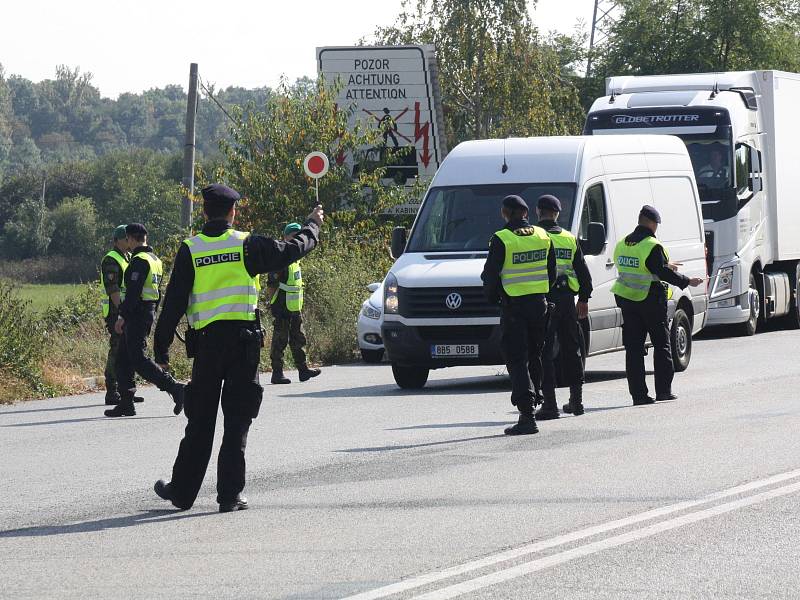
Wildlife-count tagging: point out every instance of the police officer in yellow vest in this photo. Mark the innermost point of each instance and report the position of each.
(214, 282)
(519, 272)
(641, 291)
(112, 272)
(285, 291)
(136, 315)
(573, 278)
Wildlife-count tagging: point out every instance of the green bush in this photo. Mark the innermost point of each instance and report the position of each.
(336, 275)
(22, 340)
(74, 223)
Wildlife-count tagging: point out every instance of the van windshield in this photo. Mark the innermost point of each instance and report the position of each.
(461, 218)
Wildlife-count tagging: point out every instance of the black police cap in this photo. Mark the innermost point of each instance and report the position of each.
(135, 229)
(650, 212)
(548, 202)
(514, 203)
(218, 193)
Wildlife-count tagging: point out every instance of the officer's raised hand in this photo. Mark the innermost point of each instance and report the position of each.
(317, 215)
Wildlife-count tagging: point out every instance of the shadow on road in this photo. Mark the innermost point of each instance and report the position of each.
(451, 425)
(38, 410)
(148, 516)
(85, 420)
(472, 385)
(428, 444)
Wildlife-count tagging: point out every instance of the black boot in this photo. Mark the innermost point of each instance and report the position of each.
(525, 426)
(575, 404)
(238, 503)
(643, 401)
(124, 408)
(306, 373)
(278, 377)
(164, 491)
(112, 398)
(549, 408)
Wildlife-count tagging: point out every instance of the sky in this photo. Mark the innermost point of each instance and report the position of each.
(134, 45)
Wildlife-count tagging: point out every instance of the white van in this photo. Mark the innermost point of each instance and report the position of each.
(435, 312)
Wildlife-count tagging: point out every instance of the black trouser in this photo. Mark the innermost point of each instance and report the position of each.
(288, 330)
(563, 327)
(639, 319)
(132, 356)
(225, 362)
(524, 323)
(110, 372)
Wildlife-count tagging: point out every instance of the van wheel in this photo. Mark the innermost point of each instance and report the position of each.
(754, 299)
(680, 337)
(372, 356)
(410, 378)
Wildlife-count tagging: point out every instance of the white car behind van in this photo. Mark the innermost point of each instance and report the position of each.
(434, 312)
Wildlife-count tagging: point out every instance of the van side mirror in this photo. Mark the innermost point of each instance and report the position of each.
(755, 184)
(595, 239)
(399, 235)
(373, 286)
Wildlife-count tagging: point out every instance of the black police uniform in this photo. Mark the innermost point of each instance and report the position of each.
(564, 326)
(524, 322)
(112, 277)
(649, 317)
(139, 315)
(225, 361)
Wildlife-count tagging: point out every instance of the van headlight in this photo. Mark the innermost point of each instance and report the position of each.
(724, 283)
(370, 311)
(391, 301)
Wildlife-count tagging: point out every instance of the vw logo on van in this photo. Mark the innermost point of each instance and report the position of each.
(453, 301)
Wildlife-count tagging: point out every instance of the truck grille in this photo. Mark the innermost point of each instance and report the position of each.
(433, 302)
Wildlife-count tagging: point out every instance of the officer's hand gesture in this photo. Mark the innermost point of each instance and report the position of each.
(695, 281)
(317, 215)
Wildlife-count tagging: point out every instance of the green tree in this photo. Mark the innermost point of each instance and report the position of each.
(28, 233)
(499, 77)
(263, 160)
(694, 36)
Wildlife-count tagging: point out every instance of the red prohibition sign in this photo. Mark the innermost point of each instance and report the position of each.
(316, 165)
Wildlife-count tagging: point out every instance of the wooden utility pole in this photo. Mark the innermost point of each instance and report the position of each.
(188, 148)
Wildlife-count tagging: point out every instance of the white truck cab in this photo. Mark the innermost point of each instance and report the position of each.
(741, 131)
(435, 312)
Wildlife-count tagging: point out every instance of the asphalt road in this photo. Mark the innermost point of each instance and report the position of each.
(360, 489)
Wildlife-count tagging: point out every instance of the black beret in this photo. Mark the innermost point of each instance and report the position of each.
(135, 229)
(548, 202)
(649, 212)
(514, 203)
(216, 192)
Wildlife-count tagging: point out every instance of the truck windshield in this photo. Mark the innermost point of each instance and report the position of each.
(706, 132)
(463, 218)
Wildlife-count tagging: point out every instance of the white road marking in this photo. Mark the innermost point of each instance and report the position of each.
(527, 568)
(534, 547)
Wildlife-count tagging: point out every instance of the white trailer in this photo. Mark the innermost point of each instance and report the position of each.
(743, 136)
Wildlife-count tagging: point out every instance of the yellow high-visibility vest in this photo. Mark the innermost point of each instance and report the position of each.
(525, 267)
(223, 290)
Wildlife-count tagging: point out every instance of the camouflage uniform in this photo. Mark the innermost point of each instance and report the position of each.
(287, 329)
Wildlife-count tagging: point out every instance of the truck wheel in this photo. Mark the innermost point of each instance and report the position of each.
(410, 378)
(680, 337)
(372, 356)
(749, 327)
(793, 318)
